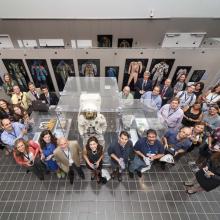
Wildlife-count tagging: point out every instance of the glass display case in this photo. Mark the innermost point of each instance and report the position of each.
(101, 95)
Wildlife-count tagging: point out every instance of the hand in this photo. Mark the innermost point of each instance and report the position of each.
(49, 157)
(42, 157)
(91, 165)
(97, 164)
(166, 146)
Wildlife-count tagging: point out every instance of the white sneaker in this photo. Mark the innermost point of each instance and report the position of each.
(63, 175)
(59, 175)
(145, 169)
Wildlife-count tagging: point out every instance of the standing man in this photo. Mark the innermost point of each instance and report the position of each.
(166, 91)
(33, 93)
(67, 155)
(172, 114)
(48, 98)
(121, 153)
(147, 150)
(142, 85)
(187, 97)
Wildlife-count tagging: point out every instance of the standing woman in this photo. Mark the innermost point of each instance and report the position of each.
(6, 110)
(93, 155)
(180, 84)
(27, 154)
(8, 84)
(48, 143)
(192, 114)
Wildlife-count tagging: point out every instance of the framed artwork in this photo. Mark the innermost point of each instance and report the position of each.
(160, 70)
(89, 67)
(40, 73)
(197, 75)
(134, 69)
(112, 71)
(180, 70)
(125, 42)
(63, 68)
(104, 40)
(16, 69)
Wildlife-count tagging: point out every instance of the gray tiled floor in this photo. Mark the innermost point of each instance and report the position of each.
(158, 195)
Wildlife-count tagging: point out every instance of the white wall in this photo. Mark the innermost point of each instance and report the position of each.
(199, 59)
(97, 9)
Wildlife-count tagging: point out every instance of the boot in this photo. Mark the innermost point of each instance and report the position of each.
(80, 173)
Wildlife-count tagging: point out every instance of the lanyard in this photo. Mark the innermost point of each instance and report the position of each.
(213, 97)
(13, 134)
(67, 155)
(27, 156)
(169, 114)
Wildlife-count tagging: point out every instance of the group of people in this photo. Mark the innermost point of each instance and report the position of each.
(192, 120)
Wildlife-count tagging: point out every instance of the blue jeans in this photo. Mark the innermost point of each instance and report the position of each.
(137, 164)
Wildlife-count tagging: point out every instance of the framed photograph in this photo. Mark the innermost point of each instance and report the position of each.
(112, 71)
(16, 69)
(63, 68)
(134, 69)
(104, 40)
(180, 70)
(89, 67)
(40, 73)
(125, 42)
(197, 75)
(160, 70)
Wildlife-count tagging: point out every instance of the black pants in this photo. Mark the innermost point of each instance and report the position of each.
(39, 168)
(71, 172)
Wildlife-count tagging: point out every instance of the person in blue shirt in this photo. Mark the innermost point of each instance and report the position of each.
(12, 132)
(152, 98)
(48, 144)
(147, 150)
(121, 153)
(178, 142)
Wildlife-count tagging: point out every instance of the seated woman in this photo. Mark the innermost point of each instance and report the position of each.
(28, 154)
(48, 144)
(206, 178)
(93, 155)
(6, 110)
(199, 86)
(192, 114)
(8, 84)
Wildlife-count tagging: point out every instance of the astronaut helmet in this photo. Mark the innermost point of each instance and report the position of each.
(90, 111)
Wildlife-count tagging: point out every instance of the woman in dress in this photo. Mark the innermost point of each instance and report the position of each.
(48, 144)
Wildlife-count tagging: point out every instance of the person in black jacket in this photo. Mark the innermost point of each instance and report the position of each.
(47, 97)
(207, 178)
(166, 91)
(142, 85)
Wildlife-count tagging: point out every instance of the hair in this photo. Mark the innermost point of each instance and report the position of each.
(17, 152)
(7, 103)
(215, 107)
(44, 87)
(43, 143)
(147, 72)
(7, 74)
(125, 133)
(30, 83)
(213, 90)
(151, 131)
(156, 87)
(16, 116)
(99, 147)
(175, 99)
(202, 85)
(200, 123)
(215, 158)
(4, 119)
(198, 103)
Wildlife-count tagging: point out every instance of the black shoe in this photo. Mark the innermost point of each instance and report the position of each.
(82, 175)
(131, 175)
(113, 174)
(71, 181)
(119, 177)
(139, 173)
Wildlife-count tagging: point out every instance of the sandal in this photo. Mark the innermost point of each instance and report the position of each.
(191, 191)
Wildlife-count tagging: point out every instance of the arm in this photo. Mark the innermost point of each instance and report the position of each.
(164, 140)
(86, 158)
(140, 154)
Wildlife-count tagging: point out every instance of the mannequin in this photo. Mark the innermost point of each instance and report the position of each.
(135, 68)
(89, 69)
(160, 70)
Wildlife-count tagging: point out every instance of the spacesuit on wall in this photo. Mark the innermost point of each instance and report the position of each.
(91, 122)
(160, 70)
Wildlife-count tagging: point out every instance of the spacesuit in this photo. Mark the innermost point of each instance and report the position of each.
(91, 123)
(159, 70)
(89, 70)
